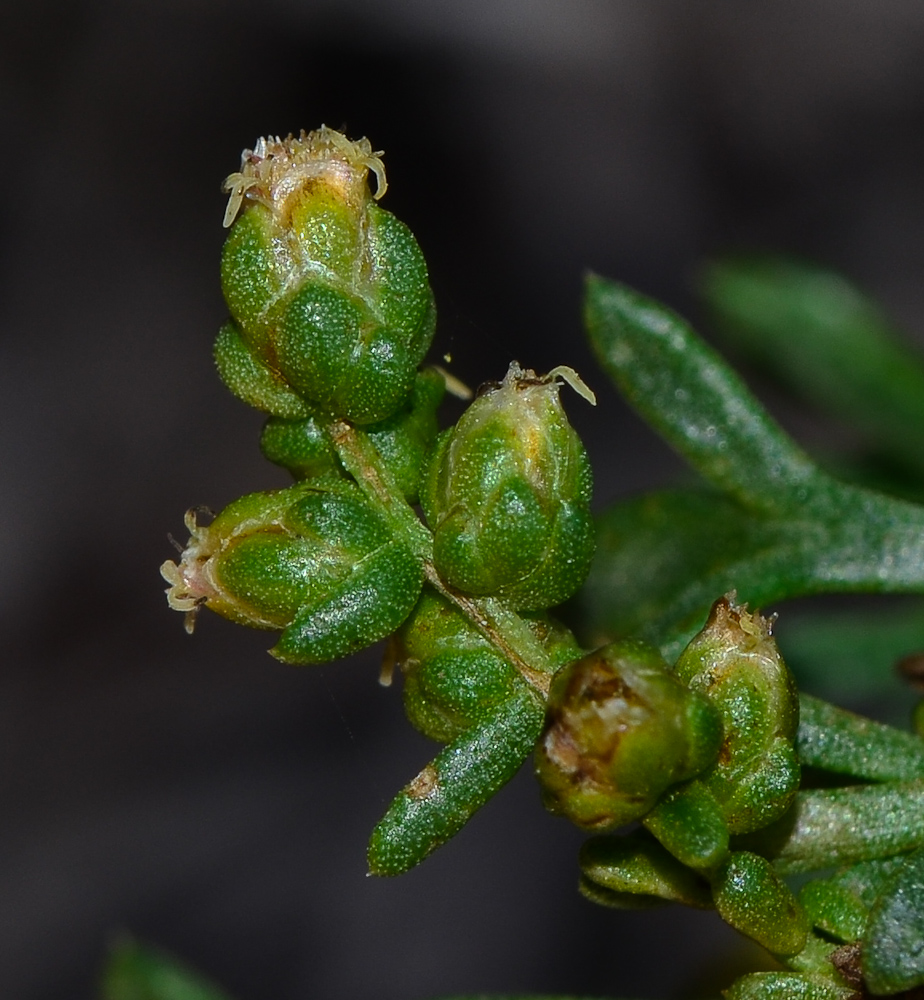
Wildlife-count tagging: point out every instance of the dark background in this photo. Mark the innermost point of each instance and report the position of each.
(193, 790)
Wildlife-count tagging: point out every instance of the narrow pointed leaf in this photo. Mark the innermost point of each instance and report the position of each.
(688, 393)
(834, 739)
(139, 972)
(443, 797)
(787, 986)
(826, 340)
(841, 826)
(662, 559)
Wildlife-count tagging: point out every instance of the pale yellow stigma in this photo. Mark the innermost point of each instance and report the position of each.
(275, 169)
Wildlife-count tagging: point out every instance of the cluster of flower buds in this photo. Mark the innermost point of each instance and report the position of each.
(695, 752)
(506, 493)
(331, 315)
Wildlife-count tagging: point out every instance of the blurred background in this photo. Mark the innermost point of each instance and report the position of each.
(193, 790)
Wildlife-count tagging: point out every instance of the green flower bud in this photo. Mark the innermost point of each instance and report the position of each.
(620, 731)
(329, 293)
(317, 562)
(508, 495)
(454, 677)
(403, 440)
(734, 661)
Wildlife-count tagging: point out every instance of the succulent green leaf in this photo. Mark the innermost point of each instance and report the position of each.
(807, 533)
(751, 897)
(834, 910)
(454, 676)
(763, 790)
(690, 824)
(403, 440)
(629, 870)
(250, 280)
(662, 558)
(651, 551)
(448, 791)
(447, 694)
(787, 986)
(825, 339)
(841, 826)
(139, 972)
(840, 904)
(367, 606)
(693, 399)
(833, 739)
(893, 946)
(302, 446)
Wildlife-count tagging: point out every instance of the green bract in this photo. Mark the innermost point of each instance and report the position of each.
(315, 560)
(621, 730)
(755, 900)
(304, 447)
(634, 871)
(329, 293)
(508, 493)
(453, 675)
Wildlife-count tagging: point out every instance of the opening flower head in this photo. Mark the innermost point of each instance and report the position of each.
(275, 169)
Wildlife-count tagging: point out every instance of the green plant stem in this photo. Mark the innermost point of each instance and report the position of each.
(503, 628)
(360, 458)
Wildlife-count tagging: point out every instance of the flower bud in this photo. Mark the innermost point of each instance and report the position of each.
(620, 731)
(403, 440)
(453, 675)
(734, 661)
(329, 293)
(507, 495)
(317, 562)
